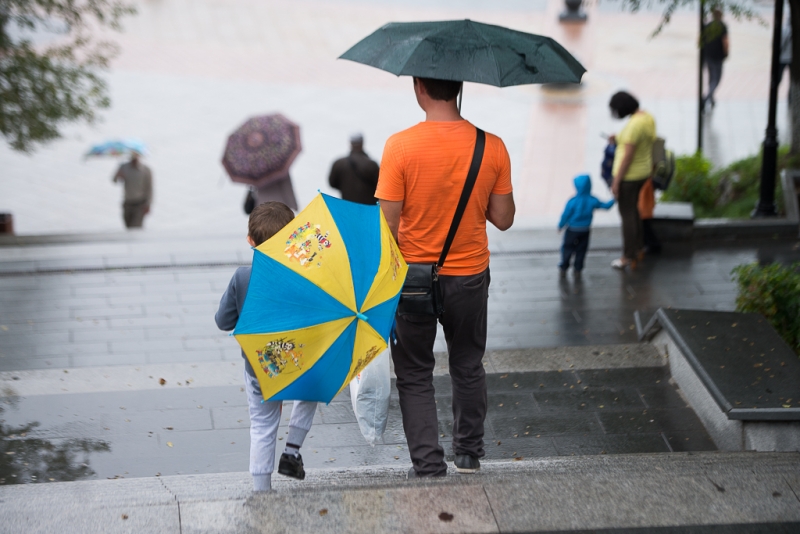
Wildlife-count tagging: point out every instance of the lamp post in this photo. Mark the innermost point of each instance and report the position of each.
(700, 80)
(769, 163)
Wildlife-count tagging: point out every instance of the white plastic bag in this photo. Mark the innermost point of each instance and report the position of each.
(369, 392)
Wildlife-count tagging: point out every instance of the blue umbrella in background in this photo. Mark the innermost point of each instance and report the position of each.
(118, 147)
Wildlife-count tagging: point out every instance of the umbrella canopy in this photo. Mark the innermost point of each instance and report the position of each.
(463, 50)
(118, 147)
(321, 300)
(261, 150)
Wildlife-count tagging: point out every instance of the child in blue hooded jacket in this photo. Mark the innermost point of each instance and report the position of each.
(577, 218)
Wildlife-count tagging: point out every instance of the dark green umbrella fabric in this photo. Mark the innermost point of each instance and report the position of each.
(463, 50)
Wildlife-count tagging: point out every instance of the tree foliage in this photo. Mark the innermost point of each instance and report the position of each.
(739, 10)
(43, 85)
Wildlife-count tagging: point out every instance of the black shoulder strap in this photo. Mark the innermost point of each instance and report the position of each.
(472, 175)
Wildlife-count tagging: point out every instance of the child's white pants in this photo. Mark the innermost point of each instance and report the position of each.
(264, 421)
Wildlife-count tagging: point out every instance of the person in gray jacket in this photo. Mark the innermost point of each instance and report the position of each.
(265, 416)
(138, 181)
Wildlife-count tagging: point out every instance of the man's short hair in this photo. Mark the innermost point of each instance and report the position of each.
(441, 89)
(267, 219)
(623, 104)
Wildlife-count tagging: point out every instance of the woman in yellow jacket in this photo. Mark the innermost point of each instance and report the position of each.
(633, 165)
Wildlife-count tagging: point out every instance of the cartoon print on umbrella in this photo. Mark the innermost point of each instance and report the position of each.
(275, 356)
(321, 301)
(306, 245)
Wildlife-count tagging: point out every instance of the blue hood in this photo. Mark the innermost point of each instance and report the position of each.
(580, 208)
(583, 184)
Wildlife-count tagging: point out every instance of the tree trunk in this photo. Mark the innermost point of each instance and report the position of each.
(794, 86)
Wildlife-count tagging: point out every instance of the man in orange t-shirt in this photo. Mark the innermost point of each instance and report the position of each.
(421, 179)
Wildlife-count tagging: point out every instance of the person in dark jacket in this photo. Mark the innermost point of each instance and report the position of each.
(715, 52)
(577, 218)
(356, 175)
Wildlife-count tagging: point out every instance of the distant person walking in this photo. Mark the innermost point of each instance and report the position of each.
(138, 182)
(633, 165)
(356, 175)
(715, 50)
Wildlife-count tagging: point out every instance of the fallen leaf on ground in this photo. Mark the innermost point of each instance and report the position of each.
(444, 516)
(324, 511)
(162, 381)
(169, 444)
(124, 516)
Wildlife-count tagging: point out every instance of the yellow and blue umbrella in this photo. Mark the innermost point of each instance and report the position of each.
(321, 301)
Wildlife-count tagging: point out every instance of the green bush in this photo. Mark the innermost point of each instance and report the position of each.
(692, 183)
(773, 291)
(731, 192)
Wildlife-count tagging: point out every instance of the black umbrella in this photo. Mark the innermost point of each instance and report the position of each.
(463, 50)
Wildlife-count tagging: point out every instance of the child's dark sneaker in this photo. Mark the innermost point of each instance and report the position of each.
(466, 463)
(292, 466)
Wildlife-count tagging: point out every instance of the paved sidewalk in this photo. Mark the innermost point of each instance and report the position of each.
(630, 494)
(191, 71)
(88, 329)
(600, 400)
(150, 300)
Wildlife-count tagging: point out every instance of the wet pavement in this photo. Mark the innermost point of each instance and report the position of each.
(153, 302)
(206, 430)
(85, 339)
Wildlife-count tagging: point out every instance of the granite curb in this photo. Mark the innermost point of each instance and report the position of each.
(579, 493)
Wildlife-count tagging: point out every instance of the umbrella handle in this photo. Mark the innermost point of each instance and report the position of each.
(460, 96)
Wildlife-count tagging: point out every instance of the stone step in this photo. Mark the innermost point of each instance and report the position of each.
(563, 494)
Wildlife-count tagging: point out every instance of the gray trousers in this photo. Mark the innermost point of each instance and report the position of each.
(133, 213)
(464, 324)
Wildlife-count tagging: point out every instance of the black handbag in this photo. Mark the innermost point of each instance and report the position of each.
(422, 291)
(249, 202)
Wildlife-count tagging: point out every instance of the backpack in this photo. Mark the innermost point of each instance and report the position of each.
(663, 165)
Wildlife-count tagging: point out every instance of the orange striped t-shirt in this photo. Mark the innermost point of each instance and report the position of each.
(426, 167)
